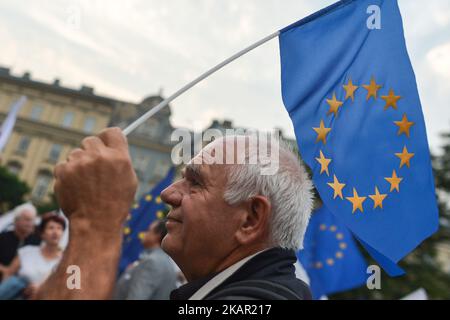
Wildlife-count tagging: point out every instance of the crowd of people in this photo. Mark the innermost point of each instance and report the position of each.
(233, 231)
(30, 251)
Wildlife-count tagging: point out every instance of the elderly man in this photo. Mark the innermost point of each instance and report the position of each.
(232, 230)
(22, 235)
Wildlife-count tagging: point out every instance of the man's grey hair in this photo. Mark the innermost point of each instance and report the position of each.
(289, 190)
(21, 209)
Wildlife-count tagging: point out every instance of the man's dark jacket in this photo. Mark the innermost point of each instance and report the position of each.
(269, 275)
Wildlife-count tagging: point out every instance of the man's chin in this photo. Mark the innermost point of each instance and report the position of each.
(168, 245)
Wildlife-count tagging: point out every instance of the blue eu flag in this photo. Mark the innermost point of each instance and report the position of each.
(330, 256)
(350, 90)
(149, 208)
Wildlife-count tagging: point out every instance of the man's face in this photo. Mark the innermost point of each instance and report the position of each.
(201, 225)
(25, 223)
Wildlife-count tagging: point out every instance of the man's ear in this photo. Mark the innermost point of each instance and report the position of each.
(255, 224)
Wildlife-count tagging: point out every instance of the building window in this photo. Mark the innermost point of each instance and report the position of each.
(161, 169)
(55, 151)
(23, 145)
(68, 119)
(151, 129)
(140, 189)
(89, 124)
(36, 112)
(14, 167)
(140, 162)
(43, 181)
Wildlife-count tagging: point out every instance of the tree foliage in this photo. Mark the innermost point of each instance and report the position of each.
(12, 190)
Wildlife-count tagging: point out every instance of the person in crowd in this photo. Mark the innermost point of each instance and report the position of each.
(153, 276)
(33, 264)
(23, 234)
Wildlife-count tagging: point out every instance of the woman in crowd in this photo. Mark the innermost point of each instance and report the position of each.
(33, 264)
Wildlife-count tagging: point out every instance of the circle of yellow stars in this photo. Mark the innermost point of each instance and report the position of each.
(339, 254)
(403, 124)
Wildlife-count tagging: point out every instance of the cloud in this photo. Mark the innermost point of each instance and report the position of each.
(130, 49)
(438, 59)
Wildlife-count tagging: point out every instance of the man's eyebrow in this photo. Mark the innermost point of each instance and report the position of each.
(193, 170)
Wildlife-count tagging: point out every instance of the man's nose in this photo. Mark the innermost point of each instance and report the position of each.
(172, 195)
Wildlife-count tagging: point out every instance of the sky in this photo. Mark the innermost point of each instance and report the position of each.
(131, 49)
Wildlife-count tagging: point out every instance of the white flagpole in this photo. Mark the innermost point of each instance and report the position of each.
(205, 75)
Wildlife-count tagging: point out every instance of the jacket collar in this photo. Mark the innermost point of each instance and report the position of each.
(274, 262)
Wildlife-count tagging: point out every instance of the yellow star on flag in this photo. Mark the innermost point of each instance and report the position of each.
(160, 214)
(334, 105)
(158, 200)
(350, 89)
(322, 132)
(337, 187)
(141, 235)
(324, 162)
(377, 198)
(404, 156)
(356, 201)
(394, 181)
(148, 197)
(391, 100)
(404, 126)
(372, 89)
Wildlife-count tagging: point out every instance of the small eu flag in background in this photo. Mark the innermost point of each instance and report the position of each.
(350, 90)
(149, 208)
(330, 256)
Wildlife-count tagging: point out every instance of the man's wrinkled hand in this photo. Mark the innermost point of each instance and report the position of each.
(97, 183)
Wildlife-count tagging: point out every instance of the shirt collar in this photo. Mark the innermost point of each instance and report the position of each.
(219, 278)
(198, 289)
(145, 253)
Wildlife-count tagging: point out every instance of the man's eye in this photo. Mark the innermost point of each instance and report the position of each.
(194, 182)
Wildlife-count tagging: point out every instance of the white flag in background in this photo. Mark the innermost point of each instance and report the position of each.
(8, 124)
(419, 294)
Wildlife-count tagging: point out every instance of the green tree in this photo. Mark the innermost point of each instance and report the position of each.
(51, 205)
(12, 190)
(421, 266)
